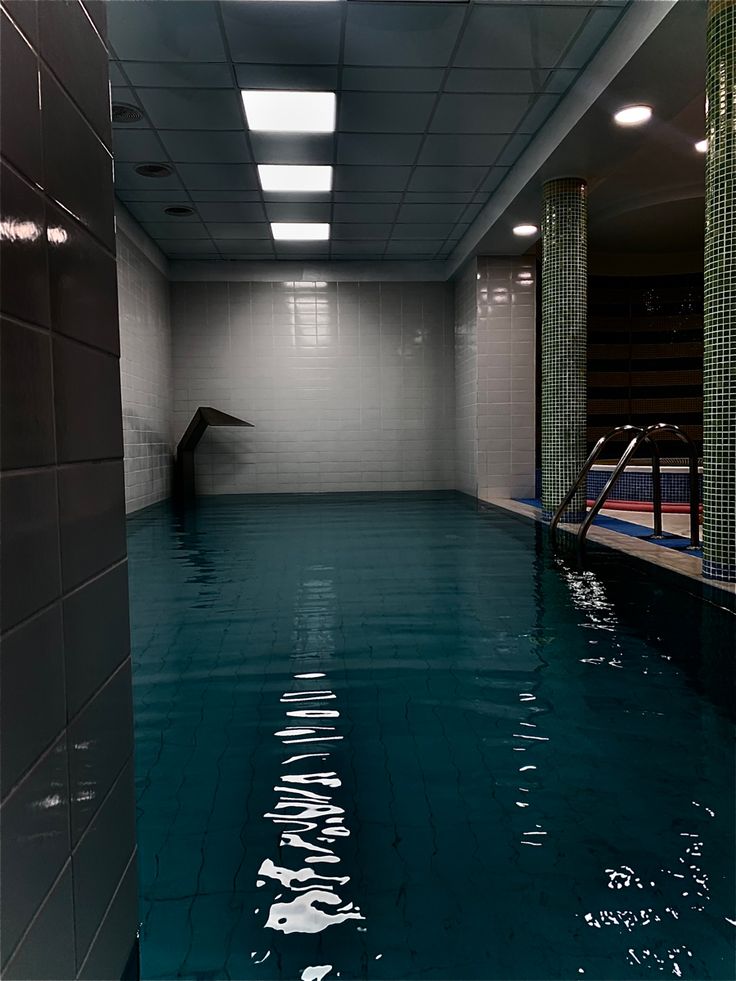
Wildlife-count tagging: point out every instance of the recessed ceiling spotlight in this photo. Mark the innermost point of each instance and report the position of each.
(525, 229)
(702, 146)
(281, 111)
(123, 112)
(177, 211)
(154, 170)
(633, 115)
(300, 231)
(290, 178)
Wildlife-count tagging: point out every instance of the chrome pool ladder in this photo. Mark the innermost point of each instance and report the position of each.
(639, 435)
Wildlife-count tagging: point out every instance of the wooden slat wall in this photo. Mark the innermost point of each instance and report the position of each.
(645, 354)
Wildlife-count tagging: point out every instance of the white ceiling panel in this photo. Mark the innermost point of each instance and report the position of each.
(283, 33)
(519, 35)
(238, 211)
(238, 177)
(401, 34)
(174, 229)
(349, 178)
(178, 30)
(366, 232)
(192, 108)
(377, 148)
(240, 230)
(366, 79)
(446, 178)
(431, 212)
(436, 100)
(457, 151)
(479, 113)
(178, 74)
(299, 148)
(150, 211)
(377, 211)
(299, 210)
(383, 112)
(216, 146)
(135, 145)
(311, 77)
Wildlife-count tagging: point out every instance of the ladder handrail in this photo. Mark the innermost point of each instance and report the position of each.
(592, 457)
(667, 427)
(642, 435)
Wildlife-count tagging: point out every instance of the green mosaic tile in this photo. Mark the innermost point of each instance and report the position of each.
(564, 328)
(719, 370)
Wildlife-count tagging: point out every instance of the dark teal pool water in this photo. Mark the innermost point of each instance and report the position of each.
(393, 737)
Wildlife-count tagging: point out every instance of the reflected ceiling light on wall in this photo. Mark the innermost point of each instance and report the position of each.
(525, 229)
(702, 146)
(290, 177)
(281, 111)
(300, 231)
(633, 115)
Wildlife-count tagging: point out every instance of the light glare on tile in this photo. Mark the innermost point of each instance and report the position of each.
(282, 111)
(289, 177)
(300, 231)
(525, 229)
(633, 115)
(702, 146)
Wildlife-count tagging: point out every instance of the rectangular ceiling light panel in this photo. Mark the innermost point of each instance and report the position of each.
(291, 177)
(282, 111)
(300, 231)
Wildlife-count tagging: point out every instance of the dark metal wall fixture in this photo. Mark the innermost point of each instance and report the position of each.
(184, 481)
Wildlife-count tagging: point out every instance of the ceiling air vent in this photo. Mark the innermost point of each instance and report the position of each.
(124, 113)
(154, 170)
(179, 212)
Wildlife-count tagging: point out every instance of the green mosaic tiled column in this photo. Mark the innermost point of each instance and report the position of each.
(719, 370)
(564, 323)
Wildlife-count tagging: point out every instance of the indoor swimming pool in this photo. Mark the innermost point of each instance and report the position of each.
(394, 737)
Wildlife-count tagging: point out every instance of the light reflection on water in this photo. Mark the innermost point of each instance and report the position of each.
(398, 739)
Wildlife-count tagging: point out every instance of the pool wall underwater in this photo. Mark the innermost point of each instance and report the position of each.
(391, 736)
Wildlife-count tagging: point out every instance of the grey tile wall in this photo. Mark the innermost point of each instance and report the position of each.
(350, 386)
(506, 376)
(495, 352)
(146, 375)
(466, 380)
(66, 787)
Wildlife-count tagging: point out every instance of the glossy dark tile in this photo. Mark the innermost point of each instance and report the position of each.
(29, 546)
(83, 285)
(91, 519)
(31, 693)
(71, 47)
(87, 402)
(20, 111)
(25, 15)
(101, 858)
(111, 948)
(26, 397)
(24, 291)
(46, 953)
(78, 167)
(96, 634)
(34, 843)
(97, 10)
(100, 740)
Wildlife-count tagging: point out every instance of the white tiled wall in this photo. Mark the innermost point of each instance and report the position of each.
(506, 376)
(350, 386)
(466, 380)
(495, 353)
(146, 374)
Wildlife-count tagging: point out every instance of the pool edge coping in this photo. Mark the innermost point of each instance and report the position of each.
(688, 566)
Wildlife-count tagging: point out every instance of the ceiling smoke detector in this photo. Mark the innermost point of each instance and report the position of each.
(122, 112)
(154, 170)
(178, 211)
